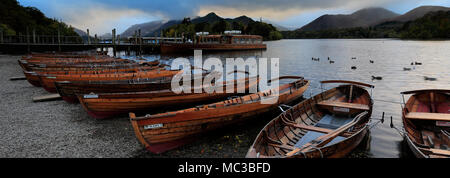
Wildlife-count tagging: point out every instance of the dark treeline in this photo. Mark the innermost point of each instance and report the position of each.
(358, 32)
(16, 20)
(434, 25)
(188, 29)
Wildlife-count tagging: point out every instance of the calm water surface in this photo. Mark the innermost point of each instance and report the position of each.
(389, 56)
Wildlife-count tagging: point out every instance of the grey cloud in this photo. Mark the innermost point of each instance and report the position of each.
(183, 8)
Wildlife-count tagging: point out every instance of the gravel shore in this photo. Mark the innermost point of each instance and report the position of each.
(58, 129)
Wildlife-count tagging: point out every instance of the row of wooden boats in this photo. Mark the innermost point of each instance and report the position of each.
(330, 124)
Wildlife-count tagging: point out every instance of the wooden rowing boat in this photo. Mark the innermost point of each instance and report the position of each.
(101, 106)
(36, 58)
(165, 131)
(48, 82)
(33, 77)
(32, 67)
(92, 67)
(330, 125)
(26, 65)
(69, 90)
(29, 66)
(96, 71)
(62, 55)
(426, 121)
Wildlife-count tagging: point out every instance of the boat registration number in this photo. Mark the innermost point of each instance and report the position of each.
(443, 123)
(91, 96)
(154, 126)
(341, 109)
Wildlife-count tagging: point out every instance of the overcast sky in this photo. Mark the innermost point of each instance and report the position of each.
(100, 16)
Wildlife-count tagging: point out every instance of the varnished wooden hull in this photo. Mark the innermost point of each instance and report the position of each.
(69, 90)
(81, 66)
(92, 68)
(185, 124)
(414, 149)
(48, 82)
(62, 56)
(96, 71)
(108, 105)
(285, 133)
(32, 78)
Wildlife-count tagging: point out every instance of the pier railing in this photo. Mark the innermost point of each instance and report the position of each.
(33, 41)
(40, 39)
(54, 39)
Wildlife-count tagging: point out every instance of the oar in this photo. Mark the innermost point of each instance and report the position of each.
(325, 139)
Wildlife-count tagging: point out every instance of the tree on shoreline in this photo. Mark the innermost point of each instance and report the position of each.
(16, 19)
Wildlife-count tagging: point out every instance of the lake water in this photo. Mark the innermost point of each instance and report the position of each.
(389, 56)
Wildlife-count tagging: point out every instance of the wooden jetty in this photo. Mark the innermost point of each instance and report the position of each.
(34, 42)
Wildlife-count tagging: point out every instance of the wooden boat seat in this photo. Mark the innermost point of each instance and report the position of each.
(344, 105)
(311, 128)
(326, 125)
(428, 116)
(332, 122)
(312, 135)
(439, 152)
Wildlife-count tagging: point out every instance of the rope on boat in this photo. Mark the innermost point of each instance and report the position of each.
(371, 125)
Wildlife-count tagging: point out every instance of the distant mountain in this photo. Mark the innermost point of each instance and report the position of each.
(209, 18)
(361, 18)
(425, 22)
(146, 28)
(105, 36)
(80, 32)
(418, 13)
(242, 19)
(154, 28)
(166, 25)
(279, 27)
(433, 25)
(212, 18)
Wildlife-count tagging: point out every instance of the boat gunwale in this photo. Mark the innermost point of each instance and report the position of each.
(281, 88)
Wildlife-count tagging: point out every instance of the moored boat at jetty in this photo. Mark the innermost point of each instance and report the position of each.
(330, 125)
(426, 121)
(165, 131)
(106, 105)
(229, 41)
